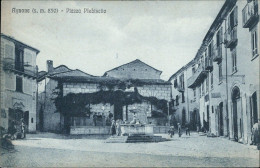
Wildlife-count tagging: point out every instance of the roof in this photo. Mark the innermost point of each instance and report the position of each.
(209, 35)
(61, 70)
(181, 69)
(106, 80)
(19, 42)
(228, 5)
(135, 61)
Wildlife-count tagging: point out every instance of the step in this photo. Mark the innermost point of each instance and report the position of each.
(116, 139)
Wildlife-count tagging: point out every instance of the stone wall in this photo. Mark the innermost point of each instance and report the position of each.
(158, 91)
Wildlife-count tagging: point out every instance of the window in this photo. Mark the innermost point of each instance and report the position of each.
(220, 72)
(234, 60)
(182, 81)
(177, 100)
(202, 61)
(254, 43)
(202, 89)
(175, 83)
(219, 37)
(193, 69)
(207, 84)
(19, 84)
(182, 97)
(232, 19)
(194, 94)
(210, 49)
(19, 59)
(211, 80)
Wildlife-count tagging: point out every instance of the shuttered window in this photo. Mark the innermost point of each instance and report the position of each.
(254, 43)
(19, 84)
(234, 60)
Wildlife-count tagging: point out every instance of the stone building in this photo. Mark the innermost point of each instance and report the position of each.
(18, 83)
(184, 100)
(78, 84)
(227, 88)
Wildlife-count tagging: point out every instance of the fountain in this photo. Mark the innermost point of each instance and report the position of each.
(135, 132)
(135, 127)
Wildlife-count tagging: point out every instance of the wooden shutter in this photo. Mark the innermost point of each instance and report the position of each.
(228, 24)
(235, 17)
(221, 35)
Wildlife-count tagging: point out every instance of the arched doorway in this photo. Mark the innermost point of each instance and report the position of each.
(221, 125)
(195, 119)
(236, 101)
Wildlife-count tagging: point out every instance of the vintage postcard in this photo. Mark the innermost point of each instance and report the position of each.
(130, 83)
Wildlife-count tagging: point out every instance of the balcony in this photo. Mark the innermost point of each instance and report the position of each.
(250, 14)
(20, 69)
(197, 78)
(209, 63)
(231, 37)
(217, 54)
(180, 88)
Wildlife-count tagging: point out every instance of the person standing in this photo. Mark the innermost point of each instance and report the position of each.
(113, 128)
(179, 129)
(95, 119)
(198, 127)
(118, 128)
(187, 127)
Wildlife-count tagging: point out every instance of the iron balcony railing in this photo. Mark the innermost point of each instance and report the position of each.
(217, 54)
(231, 37)
(250, 14)
(197, 78)
(19, 68)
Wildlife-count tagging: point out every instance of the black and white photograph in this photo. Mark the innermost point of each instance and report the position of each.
(152, 83)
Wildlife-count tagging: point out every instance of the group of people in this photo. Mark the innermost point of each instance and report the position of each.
(179, 129)
(17, 129)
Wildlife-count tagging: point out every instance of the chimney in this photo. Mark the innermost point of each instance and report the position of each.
(49, 66)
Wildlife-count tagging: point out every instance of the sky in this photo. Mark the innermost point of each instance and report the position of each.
(163, 34)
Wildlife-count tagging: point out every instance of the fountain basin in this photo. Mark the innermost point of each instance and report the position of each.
(137, 129)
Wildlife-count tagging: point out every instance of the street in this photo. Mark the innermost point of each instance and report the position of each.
(52, 150)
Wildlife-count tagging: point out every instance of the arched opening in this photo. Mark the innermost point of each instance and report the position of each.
(195, 119)
(236, 101)
(221, 125)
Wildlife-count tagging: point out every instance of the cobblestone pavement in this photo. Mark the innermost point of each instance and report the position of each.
(51, 150)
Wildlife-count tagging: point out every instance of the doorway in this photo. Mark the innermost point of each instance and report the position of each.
(254, 109)
(183, 120)
(26, 120)
(236, 109)
(221, 125)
